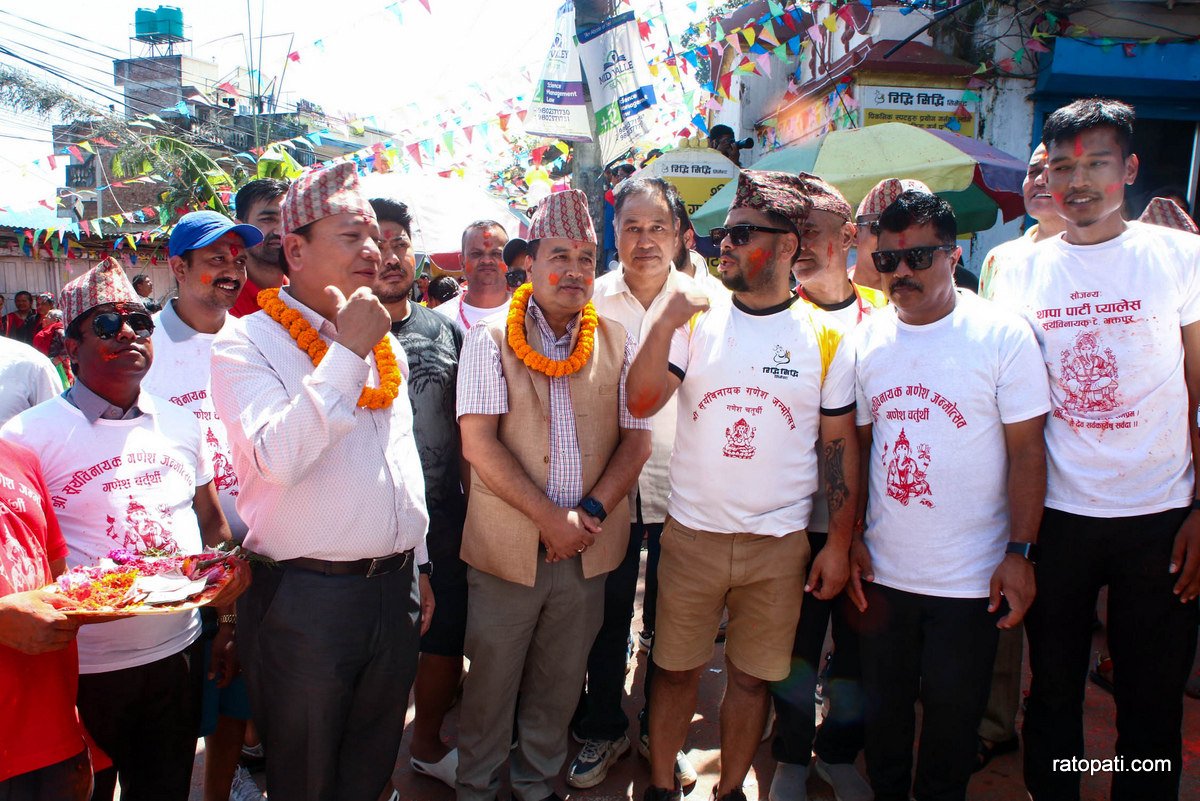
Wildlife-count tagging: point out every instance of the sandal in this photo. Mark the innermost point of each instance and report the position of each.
(986, 752)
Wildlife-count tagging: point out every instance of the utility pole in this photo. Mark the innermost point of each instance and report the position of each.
(588, 171)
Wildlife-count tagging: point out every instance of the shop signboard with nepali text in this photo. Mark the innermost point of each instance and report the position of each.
(558, 108)
(922, 107)
(619, 78)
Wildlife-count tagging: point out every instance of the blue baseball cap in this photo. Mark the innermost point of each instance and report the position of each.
(201, 228)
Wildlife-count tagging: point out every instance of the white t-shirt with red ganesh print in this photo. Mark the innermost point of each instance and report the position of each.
(122, 484)
(754, 386)
(937, 397)
(1107, 318)
(181, 373)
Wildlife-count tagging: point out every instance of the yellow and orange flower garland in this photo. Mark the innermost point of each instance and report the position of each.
(536, 361)
(310, 342)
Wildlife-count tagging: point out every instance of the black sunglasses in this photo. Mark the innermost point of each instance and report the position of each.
(872, 225)
(887, 261)
(108, 324)
(740, 234)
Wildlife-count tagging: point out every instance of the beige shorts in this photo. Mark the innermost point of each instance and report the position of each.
(759, 579)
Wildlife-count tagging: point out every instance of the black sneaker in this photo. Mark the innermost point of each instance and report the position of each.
(735, 794)
(659, 794)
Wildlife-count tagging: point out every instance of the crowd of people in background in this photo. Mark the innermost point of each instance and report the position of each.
(445, 489)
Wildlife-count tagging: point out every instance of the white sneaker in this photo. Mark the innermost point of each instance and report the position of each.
(243, 787)
(790, 783)
(444, 770)
(847, 783)
(591, 765)
(685, 773)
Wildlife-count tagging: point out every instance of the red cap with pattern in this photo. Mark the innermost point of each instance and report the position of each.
(1169, 214)
(884, 194)
(825, 196)
(323, 193)
(563, 215)
(104, 283)
(778, 192)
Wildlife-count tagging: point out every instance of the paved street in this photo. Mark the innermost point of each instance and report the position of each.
(1001, 781)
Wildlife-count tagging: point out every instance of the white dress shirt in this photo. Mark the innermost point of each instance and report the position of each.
(614, 300)
(321, 478)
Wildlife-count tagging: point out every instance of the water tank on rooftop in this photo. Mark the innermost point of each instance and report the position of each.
(145, 23)
(170, 22)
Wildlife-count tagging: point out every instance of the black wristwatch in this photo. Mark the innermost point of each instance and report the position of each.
(425, 569)
(1028, 550)
(594, 508)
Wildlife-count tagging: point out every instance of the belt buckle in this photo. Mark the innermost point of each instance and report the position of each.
(377, 569)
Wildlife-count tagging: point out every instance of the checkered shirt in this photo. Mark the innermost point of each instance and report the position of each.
(483, 390)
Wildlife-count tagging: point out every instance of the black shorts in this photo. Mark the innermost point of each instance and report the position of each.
(449, 627)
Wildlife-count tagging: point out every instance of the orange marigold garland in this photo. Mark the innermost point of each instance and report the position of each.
(309, 341)
(536, 361)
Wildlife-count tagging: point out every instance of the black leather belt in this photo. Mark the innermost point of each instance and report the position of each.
(359, 567)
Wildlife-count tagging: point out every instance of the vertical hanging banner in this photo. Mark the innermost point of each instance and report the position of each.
(619, 77)
(558, 108)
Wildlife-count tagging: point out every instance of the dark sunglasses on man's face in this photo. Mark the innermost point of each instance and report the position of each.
(887, 261)
(108, 324)
(740, 234)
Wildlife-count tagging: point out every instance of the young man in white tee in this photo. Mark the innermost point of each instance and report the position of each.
(482, 260)
(759, 380)
(1115, 307)
(127, 470)
(208, 257)
(951, 402)
(820, 270)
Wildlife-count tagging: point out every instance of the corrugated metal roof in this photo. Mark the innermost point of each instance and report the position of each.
(37, 217)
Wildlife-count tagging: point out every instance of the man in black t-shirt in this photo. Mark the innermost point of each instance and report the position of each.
(432, 343)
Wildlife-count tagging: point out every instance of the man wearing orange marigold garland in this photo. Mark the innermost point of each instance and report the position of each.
(554, 454)
(332, 491)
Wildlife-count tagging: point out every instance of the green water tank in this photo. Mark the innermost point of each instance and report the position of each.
(145, 23)
(170, 21)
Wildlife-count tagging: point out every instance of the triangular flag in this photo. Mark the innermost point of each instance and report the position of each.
(1036, 46)
(468, 130)
(1130, 49)
(830, 23)
(814, 33)
(970, 97)
(294, 56)
(395, 9)
(426, 4)
(414, 150)
(764, 63)
(86, 145)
